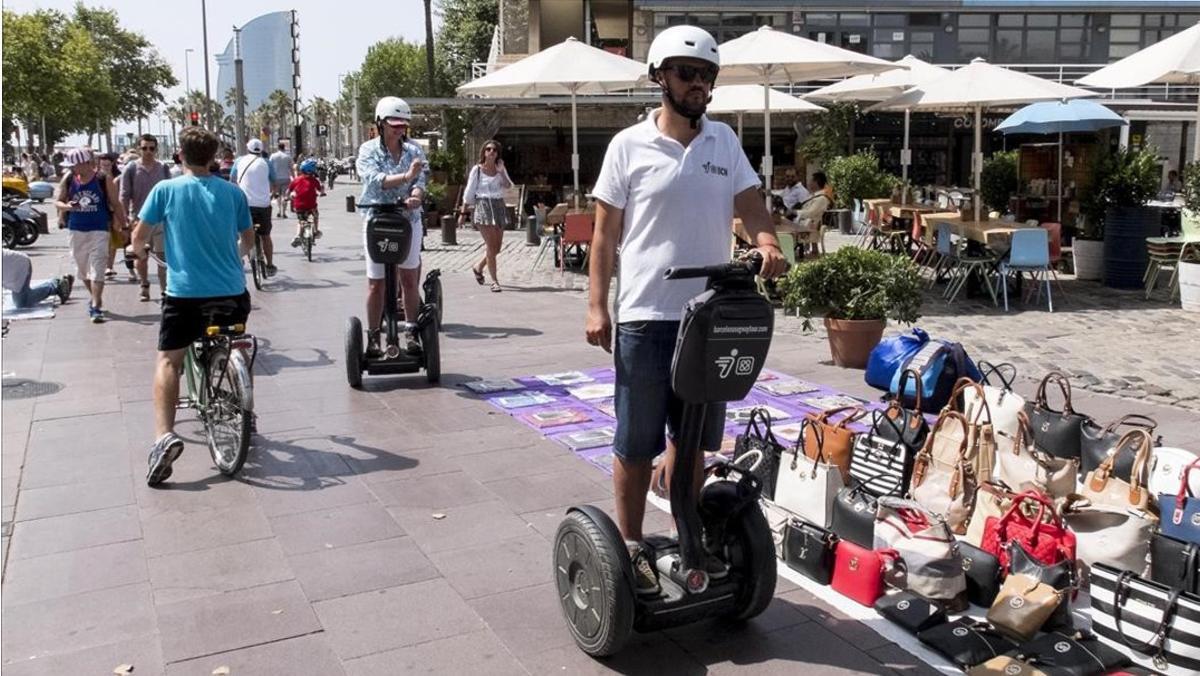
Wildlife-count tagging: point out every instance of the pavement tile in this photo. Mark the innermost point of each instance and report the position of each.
(382, 620)
(224, 622)
(41, 503)
(807, 646)
(91, 619)
(55, 534)
(69, 573)
(174, 532)
(337, 527)
(202, 495)
(376, 465)
(179, 577)
(515, 462)
(436, 493)
(310, 494)
(834, 620)
(496, 567)
(342, 571)
(469, 525)
(540, 491)
(142, 653)
(901, 661)
(644, 654)
(528, 620)
(475, 653)
(44, 470)
(303, 655)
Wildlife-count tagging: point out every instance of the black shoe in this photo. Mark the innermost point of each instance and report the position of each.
(644, 577)
(271, 270)
(373, 349)
(65, 283)
(412, 347)
(165, 452)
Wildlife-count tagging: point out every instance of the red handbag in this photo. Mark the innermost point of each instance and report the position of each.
(1046, 539)
(858, 571)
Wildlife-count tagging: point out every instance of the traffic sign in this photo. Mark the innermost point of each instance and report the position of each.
(322, 130)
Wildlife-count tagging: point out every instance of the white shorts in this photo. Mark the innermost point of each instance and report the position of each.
(90, 250)
(411, 262)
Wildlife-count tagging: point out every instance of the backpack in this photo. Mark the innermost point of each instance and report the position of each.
(940, 363)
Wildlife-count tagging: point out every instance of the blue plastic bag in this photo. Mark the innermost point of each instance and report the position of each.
(890, 355)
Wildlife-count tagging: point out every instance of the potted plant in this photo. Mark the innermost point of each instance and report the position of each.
(998, 180)
(435, 194)
(1115, 211)
(1189, 262)
(857, 175)
(857, 291)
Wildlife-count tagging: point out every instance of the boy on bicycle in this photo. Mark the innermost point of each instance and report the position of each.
(205, 220)
(303, 191)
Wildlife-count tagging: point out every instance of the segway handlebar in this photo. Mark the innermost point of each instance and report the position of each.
(743, 268)
(388, 207)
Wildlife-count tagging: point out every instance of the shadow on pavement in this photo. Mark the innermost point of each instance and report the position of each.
(290, 465)
(468, 332)
(272, 362)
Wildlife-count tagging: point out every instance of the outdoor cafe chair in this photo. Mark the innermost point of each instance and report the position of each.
(1168, 252)
(550, 232)
(922, 251)
(1030, 253)
(577, 232)
(1054, 234)
(959, 265)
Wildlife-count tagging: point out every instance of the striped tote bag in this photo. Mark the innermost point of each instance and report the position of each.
(1157, 626)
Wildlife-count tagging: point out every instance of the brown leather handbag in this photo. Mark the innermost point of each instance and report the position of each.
(838, 438)
(980, 435)
(948, 491)
(1023, 606)
(1102, 486)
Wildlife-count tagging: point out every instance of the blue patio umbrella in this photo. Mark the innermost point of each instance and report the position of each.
(1050, 117)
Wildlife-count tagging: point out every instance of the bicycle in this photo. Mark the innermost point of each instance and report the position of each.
(307, 238)
(258, 262)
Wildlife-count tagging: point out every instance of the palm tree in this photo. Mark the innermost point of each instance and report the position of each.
(279, 109)
(323, 113)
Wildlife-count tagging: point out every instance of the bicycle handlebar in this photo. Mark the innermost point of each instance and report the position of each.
(745, 268)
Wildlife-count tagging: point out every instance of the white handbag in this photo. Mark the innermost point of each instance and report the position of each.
(1110, 535)
(806, 487)
(1020, 465)
(1166, 471)
(1002, 403)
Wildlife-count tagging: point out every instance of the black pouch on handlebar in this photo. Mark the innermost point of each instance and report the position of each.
(722, 344)
(389, 235)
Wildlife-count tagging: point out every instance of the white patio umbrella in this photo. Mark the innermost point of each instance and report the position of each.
(976, 86)
(570, 67)
(742, 99)
(767, 56)
(883, 86)
(1175, 60)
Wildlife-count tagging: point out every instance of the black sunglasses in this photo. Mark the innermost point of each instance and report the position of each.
(687, 73)
(153, 148)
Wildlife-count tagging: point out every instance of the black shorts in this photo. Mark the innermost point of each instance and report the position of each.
(261, 216)
(185, 319)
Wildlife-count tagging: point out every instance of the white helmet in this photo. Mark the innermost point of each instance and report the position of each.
(392, 106)
(255, 146)
(682, 41)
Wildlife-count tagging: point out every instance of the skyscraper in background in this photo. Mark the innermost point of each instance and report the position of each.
(266, 61)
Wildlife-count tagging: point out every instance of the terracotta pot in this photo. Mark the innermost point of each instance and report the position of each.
(851, 340)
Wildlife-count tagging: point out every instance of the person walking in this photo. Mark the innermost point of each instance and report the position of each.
(18, 273)
(119, 238)
(284, 167)
(90, 204)
(255, 175)
(138, 179)
(484, 194)
(667, 193)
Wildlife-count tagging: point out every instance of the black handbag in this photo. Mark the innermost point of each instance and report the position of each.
(757, 450)
(1175, 563)
(884, 466)
(1097, 443)
(1061, 576)
(983, 574)
(853, 518)
(910, 611)
(1057, 654)
(908, 426)
(1058, 433)
(808, 549)
(966, 642)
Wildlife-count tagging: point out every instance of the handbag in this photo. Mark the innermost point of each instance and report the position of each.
(1175, 563)
(1023, 605)
(1002, 403)
(858, 572)
(1157, 625)
(907, 426)
(1063, 655)
(966, 642)
(836, 438)
(910, 611)
(930, 564)
(946, 491)
(1061, 576)
(884, 466)
(1105, 534)
(807, 487)
(1005, 665)
(982, 571)
(1097, 443)
(1043, 535)
(809, 550)
(777, 520)
(1181, 512)
(991, 499)
(761, 439)
(1055, 432)
(1103, 487)
(1020, 464)
(1167, 470)
(854, 515)
(938, 365)
(981, 435)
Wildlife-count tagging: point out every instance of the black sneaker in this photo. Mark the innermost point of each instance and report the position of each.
(271, 270)
(65, 284)
(373, 349)
(412, 346)
(164, 453)
(643, 572)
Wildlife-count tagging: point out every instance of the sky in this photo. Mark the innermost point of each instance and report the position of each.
(334, 34)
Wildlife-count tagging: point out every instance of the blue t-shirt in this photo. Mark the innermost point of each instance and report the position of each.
(92, 214)
(201, 217)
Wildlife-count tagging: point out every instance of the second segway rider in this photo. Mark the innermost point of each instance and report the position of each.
(303, 191)
(682, 221)
(393, 170)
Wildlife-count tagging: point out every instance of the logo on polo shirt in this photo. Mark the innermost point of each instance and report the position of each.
(710, 168)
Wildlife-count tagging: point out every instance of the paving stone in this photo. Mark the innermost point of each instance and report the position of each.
(533, 492)
(815, 645)
(90, 619)
(302, 655)
(337, 527)
(901, 661)
(56, 534)
(497, 567)
(644, 654)
(143, 653)
(436, 493)
(173, 532)
(527, 621)
(40, 503)
(225, 622)
(69, 573)
(191, 575)
(478, 652)
(355, 569)
(311, 494)
(466, 526)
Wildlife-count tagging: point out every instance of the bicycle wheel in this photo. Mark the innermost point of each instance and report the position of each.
(256, 268)
(308, 242)
(231, 409)
(193, 371)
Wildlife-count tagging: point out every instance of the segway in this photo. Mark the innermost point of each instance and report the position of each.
(722, 343)
(389, 235)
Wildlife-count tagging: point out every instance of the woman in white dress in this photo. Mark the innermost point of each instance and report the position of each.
(484, 194)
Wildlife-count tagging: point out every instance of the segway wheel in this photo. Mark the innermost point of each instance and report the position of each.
(435, 297)
(752, 553)
(432, 351)
(354, 352)
(595, 593)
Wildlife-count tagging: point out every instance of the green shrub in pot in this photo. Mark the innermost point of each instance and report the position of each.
(858, 175)
(998, 180)
(854, 284)
(1124, 178)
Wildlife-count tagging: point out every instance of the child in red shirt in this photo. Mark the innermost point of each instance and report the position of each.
(303, 192)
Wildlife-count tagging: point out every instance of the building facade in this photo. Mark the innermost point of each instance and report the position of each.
(266, 60)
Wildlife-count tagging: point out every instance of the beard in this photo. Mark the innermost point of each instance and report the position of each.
(693, 103)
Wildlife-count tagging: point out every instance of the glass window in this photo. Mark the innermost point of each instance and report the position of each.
(735, 19)
(709, 22)
(885, 35)
(1125, 35)
(1039, 46)
(974, 35)
(887, 51)
(968, 51)
(823, 18)
(1071, 34)
(1188, 20)
(1071, 20)
(771, 19)
(1121, 51)
(925, 19)
(676, 19)
(1126, 20)
(1041, 20)
(974, 20)
(856, 19)
(1070, 51)
(1154, 20)
(1010, 20)
(1008, 46)
(921, 36)
(922, 50)
(889, 20)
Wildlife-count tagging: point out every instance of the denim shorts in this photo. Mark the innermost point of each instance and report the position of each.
(646, 406)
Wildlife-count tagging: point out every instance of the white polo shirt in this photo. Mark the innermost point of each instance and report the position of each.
(678, 210)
